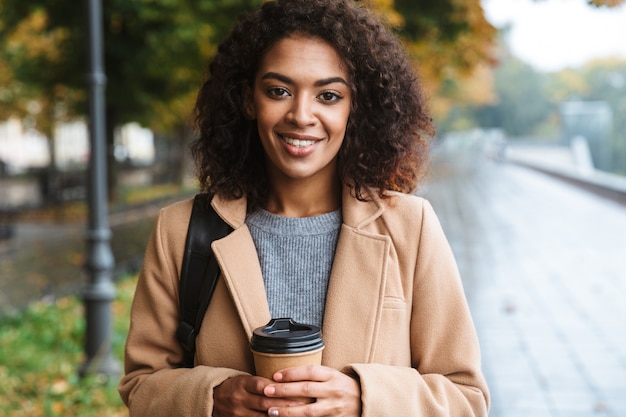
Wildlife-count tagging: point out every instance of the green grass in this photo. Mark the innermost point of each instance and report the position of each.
(41, 349)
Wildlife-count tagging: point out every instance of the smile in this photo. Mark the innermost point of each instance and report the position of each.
(298, 143)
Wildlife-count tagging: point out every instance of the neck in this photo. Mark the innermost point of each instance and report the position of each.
(304, 199)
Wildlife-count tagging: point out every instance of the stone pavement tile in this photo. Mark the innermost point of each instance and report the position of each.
(607, 378)
(515, 384)
(615, 401)
(524, 412)
(570, 402)
(540, 262)
(520, 404)
(558, 373)
(585, 413)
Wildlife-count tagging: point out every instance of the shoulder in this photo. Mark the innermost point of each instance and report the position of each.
(165, 248)
(402, 200)
(408, 216)
(372, 209)
(406, 207)
(178, 211)
(396, 213)
(173, 221)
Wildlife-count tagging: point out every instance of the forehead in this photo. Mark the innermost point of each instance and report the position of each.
(304, 56)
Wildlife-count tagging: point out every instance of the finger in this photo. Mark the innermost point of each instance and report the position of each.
(310, 410)
(302, 390)
(257, 400)
(243, 395)
(265, 403)
(256, 384)
(304, 373)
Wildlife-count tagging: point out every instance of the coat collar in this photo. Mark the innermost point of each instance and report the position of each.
(356, 214)
(356, 288)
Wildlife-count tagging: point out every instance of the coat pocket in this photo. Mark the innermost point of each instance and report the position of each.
(393, 346)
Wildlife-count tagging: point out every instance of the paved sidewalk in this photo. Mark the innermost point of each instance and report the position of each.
(47, 259)
(544, 269)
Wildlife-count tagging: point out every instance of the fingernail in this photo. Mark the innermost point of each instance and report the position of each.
(272, 412)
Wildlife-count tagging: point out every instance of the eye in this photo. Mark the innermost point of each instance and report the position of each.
(329, 96)
(278, 92)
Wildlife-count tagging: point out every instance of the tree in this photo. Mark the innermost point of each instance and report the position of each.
(464, 102)
(605, 80)
(155, 55)
(156, 52)
(453, 45)
(28, 88)
(522, 103)
(606, 3)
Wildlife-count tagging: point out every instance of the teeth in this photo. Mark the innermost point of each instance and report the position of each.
(298, 143)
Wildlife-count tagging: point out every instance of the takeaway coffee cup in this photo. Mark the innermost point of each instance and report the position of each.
(283, 343)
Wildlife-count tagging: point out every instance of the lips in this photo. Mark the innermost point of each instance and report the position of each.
(298, 143)
(298, 140)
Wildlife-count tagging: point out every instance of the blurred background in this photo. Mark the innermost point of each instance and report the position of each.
(528, 178)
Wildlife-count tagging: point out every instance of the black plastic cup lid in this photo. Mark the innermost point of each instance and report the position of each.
(286, 336)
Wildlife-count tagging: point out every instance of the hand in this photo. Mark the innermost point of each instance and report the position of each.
(243, 396)
(335, 393)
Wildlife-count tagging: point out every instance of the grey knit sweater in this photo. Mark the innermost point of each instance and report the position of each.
(296, 256)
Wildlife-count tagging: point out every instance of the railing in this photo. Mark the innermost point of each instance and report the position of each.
(561, 162)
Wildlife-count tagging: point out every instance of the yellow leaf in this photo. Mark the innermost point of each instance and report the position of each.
(59, 386)
(58, 407)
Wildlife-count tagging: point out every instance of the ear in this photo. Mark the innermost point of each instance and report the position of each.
(248, 103)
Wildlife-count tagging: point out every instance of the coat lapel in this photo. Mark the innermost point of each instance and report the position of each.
(356, 288)
(240, 266)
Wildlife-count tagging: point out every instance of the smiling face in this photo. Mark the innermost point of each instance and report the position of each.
(301, 101)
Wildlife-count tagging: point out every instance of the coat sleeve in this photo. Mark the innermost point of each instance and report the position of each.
(153, 385)
(445, 378)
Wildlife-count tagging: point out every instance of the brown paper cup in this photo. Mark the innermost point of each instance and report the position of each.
(283, 343)
(267, 364)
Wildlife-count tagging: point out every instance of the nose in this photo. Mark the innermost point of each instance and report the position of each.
(301, 113)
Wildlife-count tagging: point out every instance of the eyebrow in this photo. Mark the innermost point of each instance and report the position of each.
(319, 83)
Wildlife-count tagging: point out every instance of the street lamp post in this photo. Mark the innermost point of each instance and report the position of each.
(99, 292)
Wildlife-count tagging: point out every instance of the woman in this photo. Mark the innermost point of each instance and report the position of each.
(312, 133)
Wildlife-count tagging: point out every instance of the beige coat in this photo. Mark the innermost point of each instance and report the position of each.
(396, 315)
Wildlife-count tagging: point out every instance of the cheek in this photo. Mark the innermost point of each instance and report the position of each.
(340, 120)
(263, 121)
(267, 115)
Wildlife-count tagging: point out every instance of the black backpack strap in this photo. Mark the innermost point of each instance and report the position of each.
(199, 273)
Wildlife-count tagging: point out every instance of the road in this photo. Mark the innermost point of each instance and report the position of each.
(544, 270)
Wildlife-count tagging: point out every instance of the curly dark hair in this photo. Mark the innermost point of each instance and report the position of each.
(389, 128)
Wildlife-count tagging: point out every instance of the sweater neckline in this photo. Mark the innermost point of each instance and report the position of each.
(282, 225)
